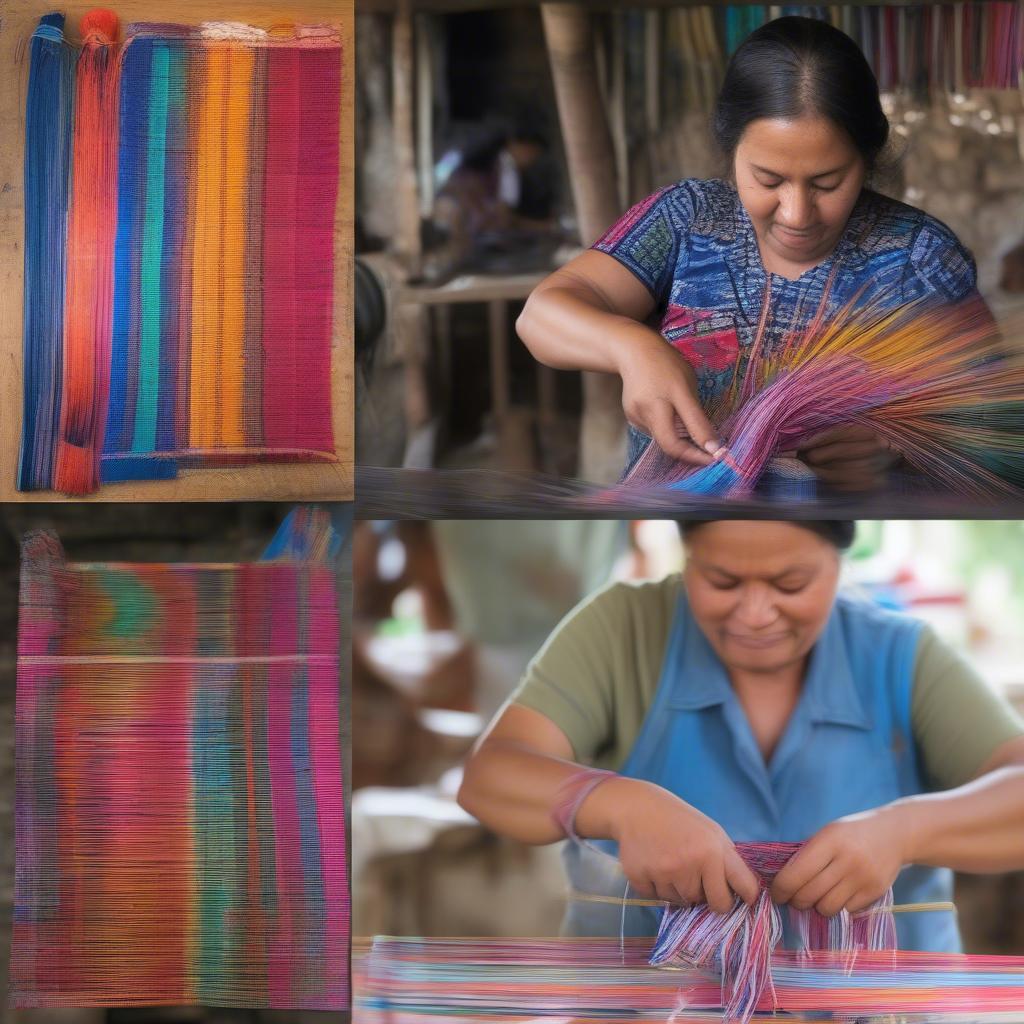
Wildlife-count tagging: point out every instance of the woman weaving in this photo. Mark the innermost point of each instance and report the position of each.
(748, 701)
(729, 269)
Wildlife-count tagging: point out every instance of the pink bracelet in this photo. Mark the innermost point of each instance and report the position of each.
(571, 795)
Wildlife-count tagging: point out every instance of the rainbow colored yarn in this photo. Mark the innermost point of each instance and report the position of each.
(180, 820)
(201, 249)
(739, 945)
(934, 381)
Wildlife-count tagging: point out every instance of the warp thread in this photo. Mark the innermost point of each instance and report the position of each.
(180, 810)
(90, 251)
(48, 118)
(935, 383)
(738, 945)
(503, 979)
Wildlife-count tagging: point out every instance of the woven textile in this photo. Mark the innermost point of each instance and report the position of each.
(486, 979)
(180, 820)
(202, 333)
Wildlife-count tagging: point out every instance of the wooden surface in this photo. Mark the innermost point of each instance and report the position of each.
(473, 288)
(311, 481)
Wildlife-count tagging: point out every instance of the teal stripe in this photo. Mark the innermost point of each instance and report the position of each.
(152, 250)
(216, 882)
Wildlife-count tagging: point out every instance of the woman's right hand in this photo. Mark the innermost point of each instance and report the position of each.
(659, 397)
(592, 314)
(668, 850)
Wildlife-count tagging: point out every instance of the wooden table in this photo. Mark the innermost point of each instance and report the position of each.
(496, 291)
(324, 481)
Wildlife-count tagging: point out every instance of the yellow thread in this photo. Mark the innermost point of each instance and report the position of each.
(899, 908)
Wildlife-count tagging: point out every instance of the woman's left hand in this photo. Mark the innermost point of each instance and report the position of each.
(848, 864)
(850, 458)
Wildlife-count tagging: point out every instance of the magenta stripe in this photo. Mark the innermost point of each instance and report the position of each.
(325, 754)
(287, 846)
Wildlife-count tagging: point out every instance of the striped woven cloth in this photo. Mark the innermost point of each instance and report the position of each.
(180, 819)
(200, 331)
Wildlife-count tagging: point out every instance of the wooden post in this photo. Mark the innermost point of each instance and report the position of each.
(652, 71)
(501, 393)
(410, 322)
(425, 111)
(591, 159)
(407, 246)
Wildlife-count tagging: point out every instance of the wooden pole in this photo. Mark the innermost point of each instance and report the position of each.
(407, 221)
(425, 111)
(591, 159)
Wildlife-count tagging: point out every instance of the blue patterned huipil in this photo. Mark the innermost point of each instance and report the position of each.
(693, 246)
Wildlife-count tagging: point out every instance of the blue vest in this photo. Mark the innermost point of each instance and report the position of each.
(848, 747)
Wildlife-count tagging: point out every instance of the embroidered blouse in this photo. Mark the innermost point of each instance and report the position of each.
(693, 246)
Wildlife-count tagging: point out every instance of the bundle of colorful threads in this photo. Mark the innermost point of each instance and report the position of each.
(186, 317)
(180, 821)
(933, 382)
(47, 171)
(487, 979)
(739, 945)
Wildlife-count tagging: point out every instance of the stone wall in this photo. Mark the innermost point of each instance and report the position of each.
(963, 162)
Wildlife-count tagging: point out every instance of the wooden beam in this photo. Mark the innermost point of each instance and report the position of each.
(591, 162)
(464, 6)
(473, 288)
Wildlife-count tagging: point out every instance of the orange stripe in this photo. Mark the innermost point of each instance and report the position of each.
(239, 74)
(206, 277)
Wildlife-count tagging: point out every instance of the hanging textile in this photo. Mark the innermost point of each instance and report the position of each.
(180, 824)
(918, 48)
(200, 257)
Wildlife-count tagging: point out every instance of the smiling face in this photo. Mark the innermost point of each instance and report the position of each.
(761, 592)
(798, 180)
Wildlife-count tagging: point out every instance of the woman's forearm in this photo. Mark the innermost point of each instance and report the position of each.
(978, 827)
(567, 326)
(516, 791)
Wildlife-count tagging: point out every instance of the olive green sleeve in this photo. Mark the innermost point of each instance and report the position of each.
(596, 675)
(958, 719)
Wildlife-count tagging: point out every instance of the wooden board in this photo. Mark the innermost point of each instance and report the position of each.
(18, 19)
(473, 288)
(464, 6)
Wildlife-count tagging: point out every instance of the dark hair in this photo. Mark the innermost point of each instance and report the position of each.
(838, 532)
(793, 66)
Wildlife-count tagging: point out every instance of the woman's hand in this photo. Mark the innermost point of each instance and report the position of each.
(848, 865)
(659, 397)
(850, 458)
(668, 850)
(592, 314)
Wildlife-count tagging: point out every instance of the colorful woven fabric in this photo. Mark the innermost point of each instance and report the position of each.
(206, 311)
(412, 979)
(180, 820)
